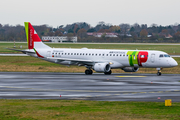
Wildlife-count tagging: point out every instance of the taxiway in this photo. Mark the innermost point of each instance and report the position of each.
(77, 86)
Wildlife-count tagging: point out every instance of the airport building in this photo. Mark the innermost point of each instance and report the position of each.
(59, 39)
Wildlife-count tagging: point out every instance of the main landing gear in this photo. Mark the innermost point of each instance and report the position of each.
(88, 72)
(159, 71)
(108, 73)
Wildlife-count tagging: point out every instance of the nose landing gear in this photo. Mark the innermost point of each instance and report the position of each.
(159, 71)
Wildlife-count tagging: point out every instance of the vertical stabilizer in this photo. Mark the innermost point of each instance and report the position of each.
(33, 39)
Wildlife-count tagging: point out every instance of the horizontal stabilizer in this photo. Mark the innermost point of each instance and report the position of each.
(23, 51)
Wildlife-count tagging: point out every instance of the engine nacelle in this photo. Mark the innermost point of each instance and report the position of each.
(130, 69)
(102, 67)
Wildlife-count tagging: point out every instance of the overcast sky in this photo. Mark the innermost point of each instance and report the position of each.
(62, 12)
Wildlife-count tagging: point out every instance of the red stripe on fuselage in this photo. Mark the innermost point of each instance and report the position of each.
(39, 55)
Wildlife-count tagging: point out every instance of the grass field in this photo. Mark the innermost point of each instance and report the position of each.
(170, 49)
(86, 110)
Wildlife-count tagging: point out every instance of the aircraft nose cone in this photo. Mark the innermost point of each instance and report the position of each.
(174, 63)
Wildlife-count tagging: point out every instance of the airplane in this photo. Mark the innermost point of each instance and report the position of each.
(99, 60)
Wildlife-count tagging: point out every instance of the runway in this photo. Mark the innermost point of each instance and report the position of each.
(77, 86)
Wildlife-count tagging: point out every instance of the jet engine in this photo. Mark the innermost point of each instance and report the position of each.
(130, 69)
(102, 67)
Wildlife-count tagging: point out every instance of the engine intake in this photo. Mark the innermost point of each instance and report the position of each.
(130, 69)
(102, 67)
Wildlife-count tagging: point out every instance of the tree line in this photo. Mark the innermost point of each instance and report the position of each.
(124, 32)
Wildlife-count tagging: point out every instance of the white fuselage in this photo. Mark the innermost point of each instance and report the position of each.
(116, 58)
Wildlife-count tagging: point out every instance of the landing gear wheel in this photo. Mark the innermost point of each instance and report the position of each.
(108, 73)
(88, 72)
(158, 73)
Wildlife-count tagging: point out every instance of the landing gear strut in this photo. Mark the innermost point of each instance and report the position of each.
(108, 73)
(88, 72)
(159, 71)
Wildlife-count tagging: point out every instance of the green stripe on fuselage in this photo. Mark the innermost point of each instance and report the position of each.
(132, 56)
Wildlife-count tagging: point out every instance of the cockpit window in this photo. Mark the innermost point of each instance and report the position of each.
(166, 55)
(161, 55)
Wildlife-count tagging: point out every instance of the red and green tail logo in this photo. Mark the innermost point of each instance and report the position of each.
(31, 35)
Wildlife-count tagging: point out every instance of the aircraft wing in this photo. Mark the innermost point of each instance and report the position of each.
(23, 51)
(81, 61)
(73, 60)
